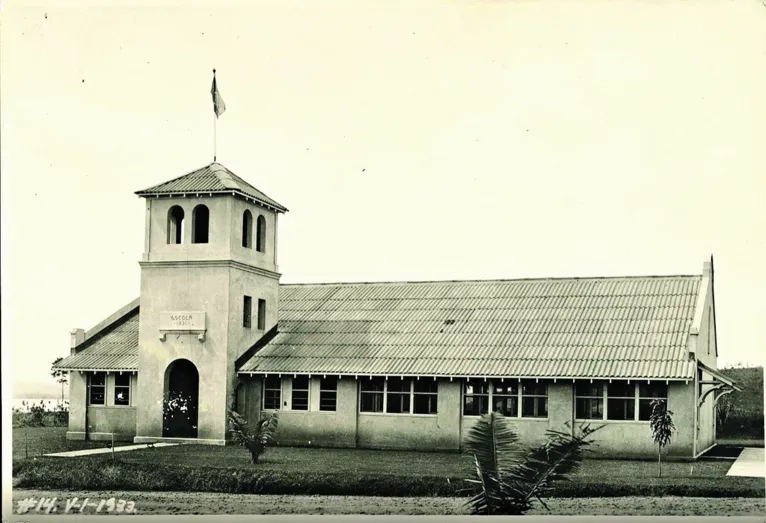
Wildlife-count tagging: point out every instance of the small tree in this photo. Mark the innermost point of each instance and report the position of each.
(661, 423)
(253, 439)
(60, 376)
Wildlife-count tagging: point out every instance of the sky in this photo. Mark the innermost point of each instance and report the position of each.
(410, 141)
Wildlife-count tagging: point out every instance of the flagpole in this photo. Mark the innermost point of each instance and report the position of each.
(215, 130)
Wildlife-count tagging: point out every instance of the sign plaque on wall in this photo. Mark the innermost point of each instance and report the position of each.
(182, 322)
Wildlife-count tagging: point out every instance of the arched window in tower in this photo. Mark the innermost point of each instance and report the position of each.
(247, 230)
(200, 224)
(176, 225)
(260, 237)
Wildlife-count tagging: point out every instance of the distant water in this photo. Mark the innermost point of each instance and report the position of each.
(24, 404)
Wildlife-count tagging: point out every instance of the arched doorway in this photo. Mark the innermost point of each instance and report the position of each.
(181, 400)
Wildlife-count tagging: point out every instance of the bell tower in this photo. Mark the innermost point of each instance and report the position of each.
(209, 291)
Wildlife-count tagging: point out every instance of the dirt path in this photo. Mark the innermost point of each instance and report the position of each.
(212, 503)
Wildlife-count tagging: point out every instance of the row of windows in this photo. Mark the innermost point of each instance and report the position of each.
(623, 401)
(328, 393)
(526, 399)
(97, 389)
(247, 313)
(201, 227)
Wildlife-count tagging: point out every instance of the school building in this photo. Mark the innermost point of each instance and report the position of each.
(391, 365)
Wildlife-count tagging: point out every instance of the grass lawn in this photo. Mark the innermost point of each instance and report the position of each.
(399, 463)
(284, 470)
(36, 441)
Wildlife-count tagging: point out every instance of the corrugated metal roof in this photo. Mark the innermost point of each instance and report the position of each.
(582, 327)
(115, 348)
(213, 178)
(588, 327)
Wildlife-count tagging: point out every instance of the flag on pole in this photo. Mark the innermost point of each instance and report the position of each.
(218, 106)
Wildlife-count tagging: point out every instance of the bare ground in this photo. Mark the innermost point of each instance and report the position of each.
(213, 503)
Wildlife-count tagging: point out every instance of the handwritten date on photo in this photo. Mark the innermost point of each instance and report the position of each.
(75, 505)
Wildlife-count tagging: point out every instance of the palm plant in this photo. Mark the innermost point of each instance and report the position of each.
(254, 440)
(510, 477)
(661, 424)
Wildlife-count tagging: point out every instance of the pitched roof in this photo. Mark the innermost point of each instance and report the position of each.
(213, 178)
(577, 327)
(114, 348)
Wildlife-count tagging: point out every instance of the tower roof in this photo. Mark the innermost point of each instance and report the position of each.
(211, 179)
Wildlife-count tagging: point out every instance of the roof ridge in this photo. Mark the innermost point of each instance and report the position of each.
(496, 280)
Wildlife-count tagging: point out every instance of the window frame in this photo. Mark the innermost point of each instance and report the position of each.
(247, 229)
(261, 320)
(176, 225)
(247, 312)
(91, 387)
(264, 389)
(641, 399)
(637, 399)
(333, 392)
(260, 233)
(410, 395)
(536, 400)
(307, 390)
(632, 398)
(118, 387)
(432, 397)
(518, 396)
(197, 224)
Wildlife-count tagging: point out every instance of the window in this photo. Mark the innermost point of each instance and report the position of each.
(624, 401)
(200, 224)
(300, 393)
(261, 314)
(328, 394)
(260, 234)
(247, 230)
(511, 398)
(97, 388)
(425, 396)
(505, 398)
(272, 392)
(372, 394)
(122, 389)
(648, 392)
(175, 225)
(475, 399)
(534, 400)
(589, 401)
(398, 396)
(247, 312)
(621, 401)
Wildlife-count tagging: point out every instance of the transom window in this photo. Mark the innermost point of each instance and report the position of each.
(511, 398)
(397, 395)
(624, 401)
(272, 392)
(97, 388)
